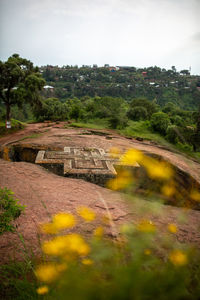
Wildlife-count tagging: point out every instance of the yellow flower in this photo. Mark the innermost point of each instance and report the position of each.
(87, 261)
(56, 246)
(147, 251)
(42, 290)
(124, 179)
(131, 157)
(98, 232)
(63, 220)
(168, 190)
(86, 213)
(62, 245)
(172, 228)
(156, 169)
(47, 272)
(146, 226)
(60, 221)
(195, 195)
(77, 245)
(114, 152)
(178, 258)
(49, 228)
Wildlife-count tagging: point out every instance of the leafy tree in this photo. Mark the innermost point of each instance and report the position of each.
(52, 109)
(151, 107)
(19, 82)
(137, 113)
(160, 121)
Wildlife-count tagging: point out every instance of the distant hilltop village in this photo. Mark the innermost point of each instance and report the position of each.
(128, 82)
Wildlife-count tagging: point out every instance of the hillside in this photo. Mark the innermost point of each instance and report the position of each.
(154, 83)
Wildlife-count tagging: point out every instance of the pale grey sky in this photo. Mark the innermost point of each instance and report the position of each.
(138, 33)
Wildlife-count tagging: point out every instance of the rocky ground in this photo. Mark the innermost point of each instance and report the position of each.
(45, 193)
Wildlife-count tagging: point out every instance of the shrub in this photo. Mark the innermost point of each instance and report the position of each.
(52, 109)
(177, 120)
(9, 210)
(137, 113)
(140, 263)
(118, 121)
(160, 121)
(172, 134)
(150, 106)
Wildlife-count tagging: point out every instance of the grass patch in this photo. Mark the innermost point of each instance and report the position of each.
(32, 136)
(17, 281)
(93, 124)
(15, 126)
(142, 129)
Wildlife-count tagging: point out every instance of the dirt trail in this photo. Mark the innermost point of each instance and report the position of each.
(45, 193)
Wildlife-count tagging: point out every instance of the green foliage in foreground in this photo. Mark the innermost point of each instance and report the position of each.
(15, 126)
(17, 281)
(9, 210)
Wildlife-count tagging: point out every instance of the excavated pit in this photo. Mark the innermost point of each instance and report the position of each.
(95, 165)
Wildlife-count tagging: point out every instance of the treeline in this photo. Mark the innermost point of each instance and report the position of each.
(153, 83)
(175, 124)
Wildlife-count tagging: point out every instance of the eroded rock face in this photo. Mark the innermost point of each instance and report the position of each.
(95, 165)
(46, 194)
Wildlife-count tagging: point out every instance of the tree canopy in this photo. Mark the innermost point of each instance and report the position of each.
(20, 82)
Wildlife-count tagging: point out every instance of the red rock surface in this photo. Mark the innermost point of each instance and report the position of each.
(45, 193)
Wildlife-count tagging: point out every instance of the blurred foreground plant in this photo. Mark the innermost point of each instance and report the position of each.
(140, 263)
(9, 210)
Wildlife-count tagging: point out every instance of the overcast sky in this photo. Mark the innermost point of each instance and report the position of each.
(138, 33)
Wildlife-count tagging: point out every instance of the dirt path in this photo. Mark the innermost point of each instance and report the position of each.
(45, 193)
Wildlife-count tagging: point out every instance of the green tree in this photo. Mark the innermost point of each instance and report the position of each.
(137, 113)
(150, 107)
(52, 109)
(160, 121)
(20, 82)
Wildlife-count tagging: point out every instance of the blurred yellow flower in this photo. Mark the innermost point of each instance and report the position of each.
(48, 228)
(47, 272)
(76, 244)
(156, 169)
(60, 221)
(124, 179)
(87, 261)
(168, 190)
(56, 246)
(172, 228)
(42, 290)
(131, 157)
(86, 213)
(98, 232)
(195, 195)
(178, 258)
(146, 226)
(63, 220)
(114, 152)
(147, 251)
(62, 245)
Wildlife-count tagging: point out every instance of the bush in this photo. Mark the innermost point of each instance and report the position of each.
(177, 120)
(9, 210)
(142, 262)
(150, 106)
(118, 121)
(137, 113)
(52, 109)
(160, 121)
(172, 134)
